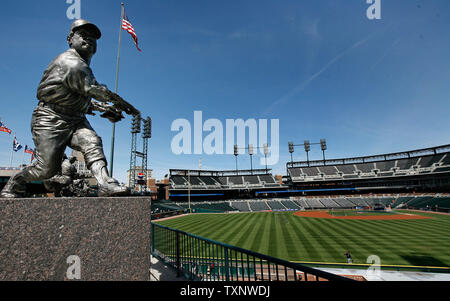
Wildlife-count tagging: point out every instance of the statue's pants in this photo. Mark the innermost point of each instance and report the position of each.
(52, 133)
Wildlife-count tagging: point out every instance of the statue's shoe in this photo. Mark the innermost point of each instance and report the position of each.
(112, 188)
(9, 195)
(13, 189)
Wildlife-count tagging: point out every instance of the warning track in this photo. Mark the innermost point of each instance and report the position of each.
(325, 215)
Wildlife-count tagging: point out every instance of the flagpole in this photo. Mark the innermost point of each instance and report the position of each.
(111, 160)
(12, 153)
(23, 156)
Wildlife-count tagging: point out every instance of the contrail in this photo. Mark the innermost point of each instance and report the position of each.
(307, 82)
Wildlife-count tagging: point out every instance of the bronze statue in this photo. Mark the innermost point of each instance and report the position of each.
(69, 182)
(65, 97)
(63, 178)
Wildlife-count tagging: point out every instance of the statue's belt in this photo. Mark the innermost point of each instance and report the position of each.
(61, 109)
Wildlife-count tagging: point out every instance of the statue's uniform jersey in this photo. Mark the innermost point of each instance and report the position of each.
(66, 83)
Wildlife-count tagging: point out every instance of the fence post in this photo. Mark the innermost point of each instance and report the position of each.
(227, 267)
(178, 259)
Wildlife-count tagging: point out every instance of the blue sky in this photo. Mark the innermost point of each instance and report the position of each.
(321, 67)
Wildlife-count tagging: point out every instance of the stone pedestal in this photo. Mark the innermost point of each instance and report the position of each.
(94, 239)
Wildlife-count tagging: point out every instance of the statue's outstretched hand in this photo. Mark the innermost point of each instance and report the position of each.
(113, 115)
(104, 95)
(109, 111)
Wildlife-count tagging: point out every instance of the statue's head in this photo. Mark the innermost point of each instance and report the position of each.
(83, 38)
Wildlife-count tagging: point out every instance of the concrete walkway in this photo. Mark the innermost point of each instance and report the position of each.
(392, 275)
(162, 272)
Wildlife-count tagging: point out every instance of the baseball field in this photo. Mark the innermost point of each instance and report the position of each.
(398, 238)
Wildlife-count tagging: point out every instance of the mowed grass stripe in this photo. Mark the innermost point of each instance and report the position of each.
(254, 241)
(261, 235)
(326, 241)
(277, 235)
(338, 238)
(264, 243)
(425, 225)
(225, 228)
(250, 243)
(353, 239)
(423, 248)
(384, 245)
(420, 231)
(245, 233)
(233, 233)
(297, 247)
(205, 222)
(419, 235)
(184, 223)
(174, 223)
(274, 232)
(304, 239)
(421, 226)
(366, 242)
(289, 246)
(313, 238)
(214, 224)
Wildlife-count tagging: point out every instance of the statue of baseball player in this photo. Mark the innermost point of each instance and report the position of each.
(65, 95)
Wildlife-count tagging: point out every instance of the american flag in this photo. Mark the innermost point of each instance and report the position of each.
(126, 25)
(29, 150)
(4, 128)
(33, 156)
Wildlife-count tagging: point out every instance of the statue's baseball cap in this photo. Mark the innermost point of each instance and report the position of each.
(77, 24)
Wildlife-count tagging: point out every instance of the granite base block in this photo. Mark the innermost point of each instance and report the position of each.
(87, 239)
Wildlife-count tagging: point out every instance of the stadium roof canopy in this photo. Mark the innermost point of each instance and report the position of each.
(219, 173)
(375, 158)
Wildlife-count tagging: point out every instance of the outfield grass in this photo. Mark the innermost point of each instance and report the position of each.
(301, 239)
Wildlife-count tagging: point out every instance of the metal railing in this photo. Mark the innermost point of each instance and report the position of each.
(201, 259)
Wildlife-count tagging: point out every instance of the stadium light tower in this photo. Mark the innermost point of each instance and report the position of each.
(251, 153)
(266, 152)
(189, 192)
(135, 130)
(307, 149)
(147, 128)
(146, 135)
(291, 150)
(323, 144)
(236, 154)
